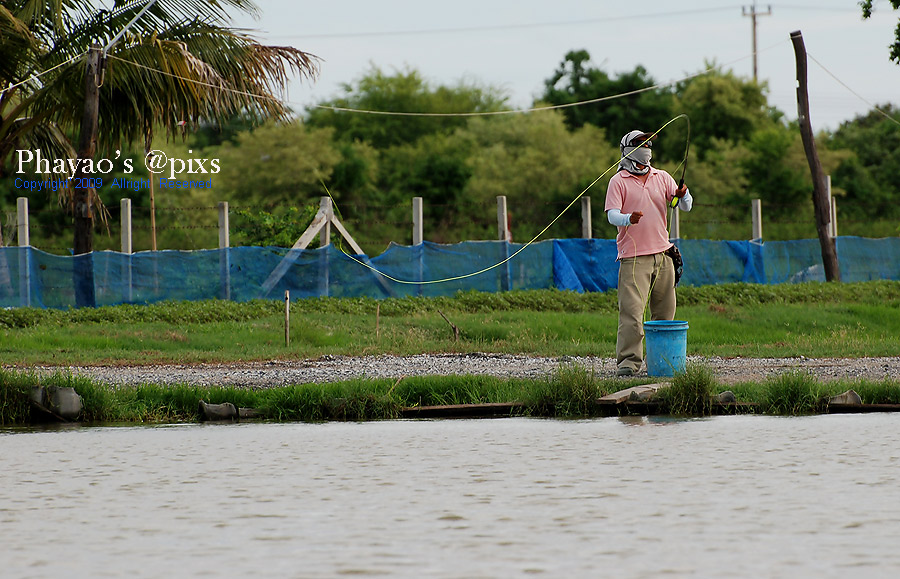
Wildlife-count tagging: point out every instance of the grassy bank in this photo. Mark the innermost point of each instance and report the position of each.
(813, 320)
(570, 392)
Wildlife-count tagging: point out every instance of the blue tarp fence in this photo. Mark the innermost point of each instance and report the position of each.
(30, 277)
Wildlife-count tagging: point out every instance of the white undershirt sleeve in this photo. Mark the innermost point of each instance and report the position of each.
(686, 202)
(617, 218)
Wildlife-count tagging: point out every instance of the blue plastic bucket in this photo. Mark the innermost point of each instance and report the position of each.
(666, 346)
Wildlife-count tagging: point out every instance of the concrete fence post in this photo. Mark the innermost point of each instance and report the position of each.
(834, 229)
(24, 251)
(756, 212)
(418, 239)
(417, 236)
(224, 252)
(586, 230)
(127, 248)
(223, 225)
(125, 220)
(832, 208)
(22, 222)
(503, 232)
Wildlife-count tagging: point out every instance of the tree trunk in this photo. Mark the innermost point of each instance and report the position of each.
(820, 191)
(83, 193)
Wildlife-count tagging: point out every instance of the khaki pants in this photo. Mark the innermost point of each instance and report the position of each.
(638, 277)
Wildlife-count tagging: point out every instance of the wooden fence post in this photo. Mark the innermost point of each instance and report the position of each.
(819, 195)
(756, 216)
(327, 208)
(5, 277)
(287, 318)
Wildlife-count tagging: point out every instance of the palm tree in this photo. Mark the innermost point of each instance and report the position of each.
(180, 62)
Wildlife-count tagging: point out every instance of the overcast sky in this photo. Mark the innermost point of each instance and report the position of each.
(515, 46)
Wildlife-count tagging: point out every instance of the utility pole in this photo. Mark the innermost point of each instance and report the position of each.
(753, 13)
(83, 196)
(821, 202)
(84, 192)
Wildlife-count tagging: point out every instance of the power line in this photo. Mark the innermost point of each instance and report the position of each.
(37, 75)
(492, 28)
(857, 95)
(423, 114)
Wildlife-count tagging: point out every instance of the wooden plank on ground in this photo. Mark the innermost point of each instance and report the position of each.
(463, 410)
(861, 408)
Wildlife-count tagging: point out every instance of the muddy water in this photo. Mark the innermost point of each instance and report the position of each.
(725, 497)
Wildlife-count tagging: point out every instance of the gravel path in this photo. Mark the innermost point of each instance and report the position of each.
(334, 368)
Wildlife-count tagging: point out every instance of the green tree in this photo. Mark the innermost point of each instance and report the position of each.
(272, 228)
(540, 166)
(276, 164)
(213, 133)
(773, 168)
(719, 186)
(403, 92)
(354, 178)
(576, 81)
(867, 180)
(436, 168)
(867, 6)
(724, 107)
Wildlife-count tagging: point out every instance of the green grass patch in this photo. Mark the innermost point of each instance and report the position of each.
(814, 320)
(691, 392)
(569, 392)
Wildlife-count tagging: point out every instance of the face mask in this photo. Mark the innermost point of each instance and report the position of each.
(633, 156)
(641, 155)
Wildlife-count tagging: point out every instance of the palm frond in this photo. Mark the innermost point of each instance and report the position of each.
(181, 61)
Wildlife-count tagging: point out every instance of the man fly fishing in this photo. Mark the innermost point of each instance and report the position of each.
(637, 200)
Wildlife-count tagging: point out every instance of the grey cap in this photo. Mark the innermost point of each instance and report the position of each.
(636, 138)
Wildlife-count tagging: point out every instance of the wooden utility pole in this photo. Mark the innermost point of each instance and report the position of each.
(84, 193)
(83, 196)
(752, 13)
(820, 190)
(150, 156)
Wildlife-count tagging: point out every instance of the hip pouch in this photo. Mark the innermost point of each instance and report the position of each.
(677, 262)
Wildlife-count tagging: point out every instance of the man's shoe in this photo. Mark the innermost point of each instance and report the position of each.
(624, 371)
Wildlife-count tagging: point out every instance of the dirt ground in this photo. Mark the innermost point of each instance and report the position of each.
(334, 368)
